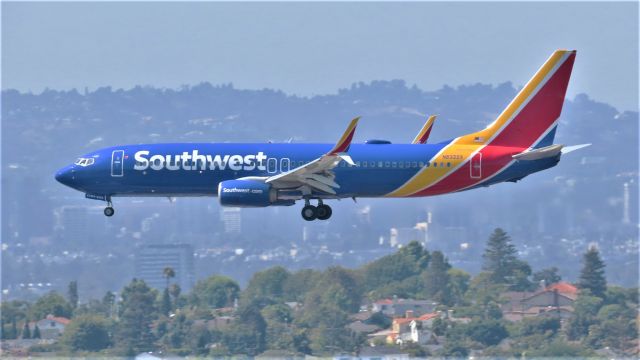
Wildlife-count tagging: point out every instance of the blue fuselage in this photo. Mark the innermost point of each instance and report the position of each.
(196, 169)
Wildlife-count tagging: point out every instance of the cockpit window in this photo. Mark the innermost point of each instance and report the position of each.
(84, 161)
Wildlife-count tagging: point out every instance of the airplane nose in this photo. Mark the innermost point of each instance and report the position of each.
(65, 176)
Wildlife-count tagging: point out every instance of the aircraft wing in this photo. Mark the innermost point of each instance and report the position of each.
(318, 174)
(423, 135)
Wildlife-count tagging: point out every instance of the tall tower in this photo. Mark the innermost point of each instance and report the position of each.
(625, 204)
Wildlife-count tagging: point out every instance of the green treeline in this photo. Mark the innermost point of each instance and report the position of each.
(307, 311)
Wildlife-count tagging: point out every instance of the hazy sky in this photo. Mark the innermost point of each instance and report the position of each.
(317, 48)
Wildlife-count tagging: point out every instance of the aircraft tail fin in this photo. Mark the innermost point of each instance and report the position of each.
(423, 135)
(530, 119)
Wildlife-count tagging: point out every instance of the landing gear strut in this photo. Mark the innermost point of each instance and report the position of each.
(109, 211)
(320, 212)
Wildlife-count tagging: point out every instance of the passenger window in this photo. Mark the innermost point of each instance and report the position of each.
(272, 165)
(414, 164)
(422, 164)
(435, 164)
(365, 163)
(441, 164)
(380, 164)
(394, 164)
(448, 164)
(387, 164)
(401, 165)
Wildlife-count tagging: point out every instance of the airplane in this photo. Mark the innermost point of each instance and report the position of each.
(517, 144)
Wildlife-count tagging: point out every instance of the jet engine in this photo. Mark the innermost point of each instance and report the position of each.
(250, 193)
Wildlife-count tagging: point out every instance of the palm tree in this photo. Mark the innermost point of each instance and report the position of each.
(168, 273)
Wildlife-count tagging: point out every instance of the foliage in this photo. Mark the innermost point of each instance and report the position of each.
(299, 283)
(137, 313)
(72, 292)
(539, 325)
(458, 284)
(436, 276)
(36, 332)
(586, 308)
(502, 264)
(592, 273)
(269, 283)
(549, 276)
(560, 348)
(409, 261)
(488, 332)
(51, 303)
(87, 333)
(26, 331)
(165, 302)
(215, 292)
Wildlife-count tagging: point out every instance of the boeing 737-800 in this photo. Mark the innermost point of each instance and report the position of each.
(518, 143)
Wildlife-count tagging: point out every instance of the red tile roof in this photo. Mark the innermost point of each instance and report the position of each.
(384, 302)
(60, 320)
(564, 288)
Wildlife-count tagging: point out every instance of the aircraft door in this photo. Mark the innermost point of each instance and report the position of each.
(117, 163)
(475, 166)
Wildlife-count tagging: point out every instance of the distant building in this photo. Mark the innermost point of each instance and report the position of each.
(51, 327)
(555, 300)
(151, 260)
(399, 307)
(231, 218)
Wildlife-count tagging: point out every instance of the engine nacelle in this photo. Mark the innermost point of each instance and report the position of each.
(249, 193)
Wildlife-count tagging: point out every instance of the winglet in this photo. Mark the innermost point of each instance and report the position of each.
(423, 135)
(345, 141)
(568, 149)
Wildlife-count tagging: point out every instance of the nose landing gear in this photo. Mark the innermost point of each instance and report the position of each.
(320, 212)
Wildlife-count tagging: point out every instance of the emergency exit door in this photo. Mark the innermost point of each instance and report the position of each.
(117, 163)
(475, 166)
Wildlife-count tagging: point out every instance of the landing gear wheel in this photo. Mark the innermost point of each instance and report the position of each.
(109, 211)
(323, 212)
(309, 212)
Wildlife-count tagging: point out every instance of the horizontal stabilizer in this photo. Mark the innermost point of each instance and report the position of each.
(542, 153)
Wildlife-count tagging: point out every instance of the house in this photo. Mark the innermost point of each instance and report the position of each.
(51, 327)
(398, 307)
(555, 300)
(410, 328)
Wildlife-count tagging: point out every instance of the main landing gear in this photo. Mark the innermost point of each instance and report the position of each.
(320, 212)
(109, 211)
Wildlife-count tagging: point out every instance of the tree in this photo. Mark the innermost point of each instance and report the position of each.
(165, 303)
(459, 284)
(409, 261)
(248, 334)
(72, 292)
(549, 276)
(269, 283)
(174, 291)
(137, 312)
(586, 308)
(487, 332)
(36, 332)
(14, 330)
(437, 279)
(215, 291)
(168, 273)
(592, 273)
(26, 332)
(87, 333)
(51, 304)
(500, 258)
